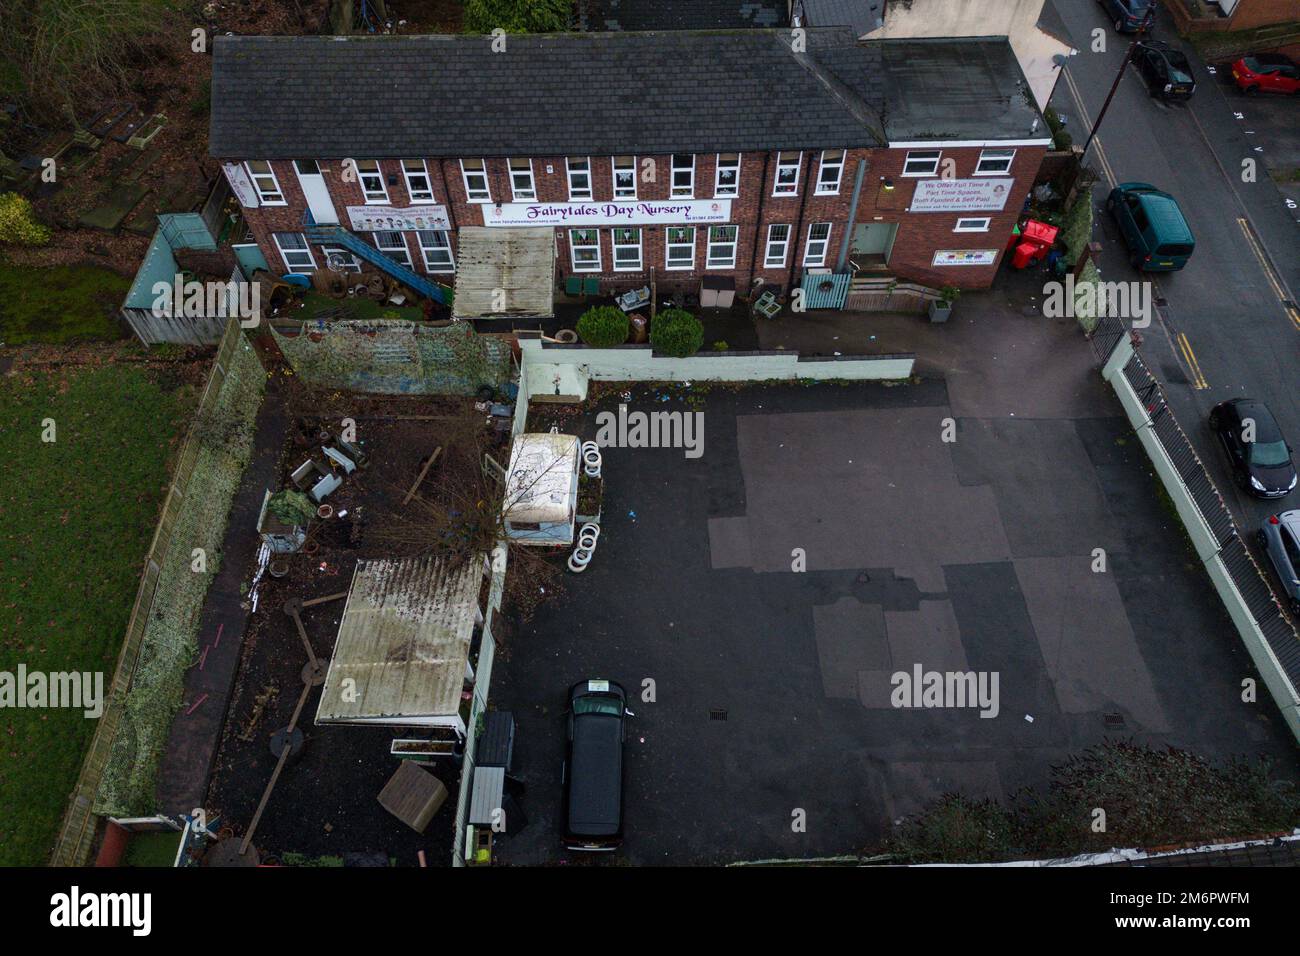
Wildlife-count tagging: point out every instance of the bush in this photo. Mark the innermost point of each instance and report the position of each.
(603, 326)
(677, 333)
(17, 225)
(516, 16)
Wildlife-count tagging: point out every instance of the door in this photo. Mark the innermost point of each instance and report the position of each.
(874, 239)
(317, 193)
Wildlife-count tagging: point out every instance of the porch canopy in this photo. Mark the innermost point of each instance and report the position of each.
(504, 272)
(402, 655)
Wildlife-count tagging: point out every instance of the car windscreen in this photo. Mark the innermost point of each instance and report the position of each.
(1270, 454)
(1180, 71)
(1252, 64)
(598, 704)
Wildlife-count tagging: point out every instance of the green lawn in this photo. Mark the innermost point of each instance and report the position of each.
(76, 517)
(59, 304)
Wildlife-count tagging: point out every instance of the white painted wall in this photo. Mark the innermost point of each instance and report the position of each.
(566, 371)
(1015, 19)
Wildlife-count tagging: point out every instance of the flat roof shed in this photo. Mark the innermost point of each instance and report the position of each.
(402, 655)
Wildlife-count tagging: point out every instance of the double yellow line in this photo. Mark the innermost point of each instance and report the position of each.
(1275, 283)
(1198, 377)
(1106, 169)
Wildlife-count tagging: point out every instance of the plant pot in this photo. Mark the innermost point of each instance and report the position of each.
(940, 311)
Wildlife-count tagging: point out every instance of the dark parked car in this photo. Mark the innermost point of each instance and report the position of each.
(1130, 16)
(1269, 72)
(1165, 69)
(1259, 455)
(1153, 227)
(593, 766)
(1280, 537)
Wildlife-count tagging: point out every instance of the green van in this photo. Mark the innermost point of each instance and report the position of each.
(1157, 235)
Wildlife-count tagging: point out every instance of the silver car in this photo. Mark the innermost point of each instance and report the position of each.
(1280, 537)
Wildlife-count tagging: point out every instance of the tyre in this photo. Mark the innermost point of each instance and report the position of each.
(1261, 539)
(1119, 26)
(1249, 90)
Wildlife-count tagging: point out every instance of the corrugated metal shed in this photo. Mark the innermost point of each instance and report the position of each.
(403, 643)
(504, 272)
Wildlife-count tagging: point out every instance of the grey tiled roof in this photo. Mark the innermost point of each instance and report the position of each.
(957, 89)
(862, 15)
(680, 14)
(603, 94)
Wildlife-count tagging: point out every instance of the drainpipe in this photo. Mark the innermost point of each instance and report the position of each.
(798, 228)
(853, 215)
(758, 224)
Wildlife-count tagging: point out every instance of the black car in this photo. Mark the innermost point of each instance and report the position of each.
(1259, 455)
(593, 766)
(1165, 70)
(1130, 16)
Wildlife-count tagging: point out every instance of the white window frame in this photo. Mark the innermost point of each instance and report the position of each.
(997, 156)
(792, 189)
(578, 195)
(473, 195)
(720, 190)
(830, 189)
(784, 243)
(669, 246)
(681, 192)
(820, 259)
(354, 263)
(573, 251)
(391, 251)
(522, 195)
(621, 192)
(418, 196)
(964, 224)
(436, 267)
(613, 236)
(713, 262)
(922, 156)
(285, 259)
(263, 194)
(373, 198)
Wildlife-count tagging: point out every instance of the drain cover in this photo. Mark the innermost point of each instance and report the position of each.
(717, 713)
(1114, 720)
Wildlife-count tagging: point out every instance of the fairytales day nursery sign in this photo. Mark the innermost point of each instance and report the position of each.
(671, 212)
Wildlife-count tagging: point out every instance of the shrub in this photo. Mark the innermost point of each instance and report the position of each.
(603, 326)
(18, 225)
(516, 16)
(721, 345)
(677, 333)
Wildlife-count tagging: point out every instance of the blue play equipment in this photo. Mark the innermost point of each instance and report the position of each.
(338, 236)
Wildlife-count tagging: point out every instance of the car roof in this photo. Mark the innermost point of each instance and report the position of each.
(596, 775)
(1164, 212)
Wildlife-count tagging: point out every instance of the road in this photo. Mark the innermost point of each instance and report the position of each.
(1228, 323)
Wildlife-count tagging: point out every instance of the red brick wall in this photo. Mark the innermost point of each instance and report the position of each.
(919, 235)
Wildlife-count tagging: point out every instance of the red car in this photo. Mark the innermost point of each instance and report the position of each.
(1270, 72)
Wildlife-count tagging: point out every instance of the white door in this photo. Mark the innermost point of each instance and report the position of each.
(317, 193)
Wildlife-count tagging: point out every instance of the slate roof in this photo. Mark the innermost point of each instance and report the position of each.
(680, 14)
(388, 97)
(597, 93)
(863, 16)
(942, 89)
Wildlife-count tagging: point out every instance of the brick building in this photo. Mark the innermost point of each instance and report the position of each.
(726, 154)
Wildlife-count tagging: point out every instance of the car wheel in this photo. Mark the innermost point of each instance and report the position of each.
(1119, 26)
(1250, 90)
(1214, 421)
(1295, 607)
(1261, 539)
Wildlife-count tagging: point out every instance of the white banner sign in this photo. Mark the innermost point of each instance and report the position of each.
(672, 212)
(961, 195)
(965, 257)
(397, 218)
(241, 185)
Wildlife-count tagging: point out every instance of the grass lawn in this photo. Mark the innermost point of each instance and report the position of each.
(59, 304)
(76, 517)
(362, 308)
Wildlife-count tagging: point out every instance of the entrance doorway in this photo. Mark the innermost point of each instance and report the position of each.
(872, 244)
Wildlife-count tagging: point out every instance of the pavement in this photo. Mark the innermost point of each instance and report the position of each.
(1229, 325)
(761, 690)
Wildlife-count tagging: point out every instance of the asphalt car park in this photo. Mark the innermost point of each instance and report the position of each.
(762, 692)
